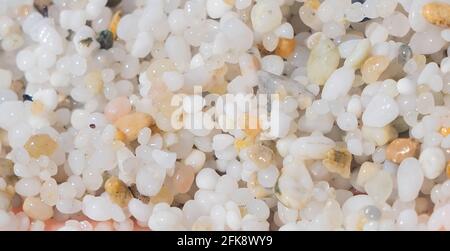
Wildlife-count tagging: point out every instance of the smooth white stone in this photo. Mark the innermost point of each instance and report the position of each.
(380, 186)
(432, 161)
(339, 83)
(311, 147)
(380, 111)
(165, 159)
(409, 179)
(96, 208)
(266, 16)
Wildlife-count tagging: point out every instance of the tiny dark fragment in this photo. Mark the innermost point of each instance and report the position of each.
(106, 40)
(42, 6)
(27, 97)
(113, 3)
(87, 41)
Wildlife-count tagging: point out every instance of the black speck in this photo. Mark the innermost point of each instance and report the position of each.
(255, 89)
(70, 35)
(92, 126)
(27, 97)
(87, 41)
(42, 6)
(44, 11)
(113, 3)
(105, 38)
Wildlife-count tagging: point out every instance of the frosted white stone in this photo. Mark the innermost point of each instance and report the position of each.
(173, 80)
(96, 208)
(311, 147)
(238, 34)
(338, 84)
(266, 16)
(164, 159)
(139, 210)
(409, 179)
(427, 42)
(178, 51)
(142, 45)
(397, 24)
(149, 180)
(380, 111)
(380, 186)
(285, 30)
(13, 112)
(217, 8)
(222, 141)
(28, 187)
(206, 179)
(432, 161)
(347, 121)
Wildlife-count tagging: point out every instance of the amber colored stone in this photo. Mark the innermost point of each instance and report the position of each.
(243, 143)
(120, 135)
(132, 123)
(114, 23)
(243, 210)
(313, 4)
(373, 67)
(165, 195)
(36, 209)
(285, 47)
(437, 14)
(261, 155)
(400, 149)
(444, 131)
(338, 161)
(40, 144)
(118, 191)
